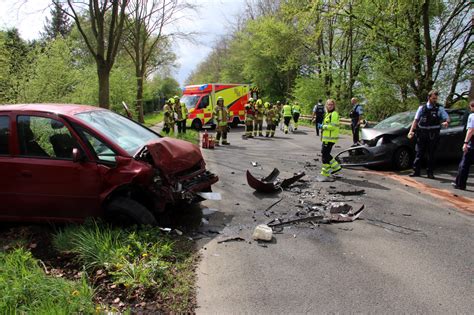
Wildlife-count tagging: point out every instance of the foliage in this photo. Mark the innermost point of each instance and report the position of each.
(153, 119)
(26, 289)
(134, 258)
(59, 24)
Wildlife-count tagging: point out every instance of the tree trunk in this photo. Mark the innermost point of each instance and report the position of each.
(103, 72)
(139, 101)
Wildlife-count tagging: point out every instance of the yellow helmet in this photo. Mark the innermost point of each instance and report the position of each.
(251, 100)
(267, 104)
(176, 97)
(259, 102)
(171, 101)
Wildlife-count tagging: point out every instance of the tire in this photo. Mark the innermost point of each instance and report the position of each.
(402, 158)
(125, 211)
(196, 124)
(235, 122)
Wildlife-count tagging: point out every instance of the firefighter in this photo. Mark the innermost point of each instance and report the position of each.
(181, 114)
(287, 113)
(330, 132)
(249, 118)
(221, 115)
(296, 113)
(271, 118)
(260, 114)
(429, 119)
(168, 116)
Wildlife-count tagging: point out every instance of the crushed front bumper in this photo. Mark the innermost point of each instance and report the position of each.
(365, 155)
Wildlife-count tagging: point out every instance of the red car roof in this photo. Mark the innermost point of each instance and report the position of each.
(63, 109)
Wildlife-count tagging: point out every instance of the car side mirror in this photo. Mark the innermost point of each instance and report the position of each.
(77, 155)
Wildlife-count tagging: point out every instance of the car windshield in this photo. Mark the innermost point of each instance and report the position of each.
(129, 135)
(190, 100)
(401, 120)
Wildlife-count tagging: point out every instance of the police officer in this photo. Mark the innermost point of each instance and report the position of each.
(287, 113)
(181, 114)
(429, 119)
(222, 116)
(356, 116)
(468, 149)
(330, 131)
(296, 113)
(318, 115)
(249, 118)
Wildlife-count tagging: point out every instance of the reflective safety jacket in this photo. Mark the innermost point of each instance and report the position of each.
(287, 111)
(181, 111)
(271, 116)
(168, 117)
(249, 112)
(221, 115)
(260, 109)
(331, 127)
(296, 109)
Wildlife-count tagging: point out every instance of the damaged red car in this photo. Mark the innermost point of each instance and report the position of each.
(65, 163)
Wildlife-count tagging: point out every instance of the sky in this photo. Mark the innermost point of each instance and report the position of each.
(212, 19)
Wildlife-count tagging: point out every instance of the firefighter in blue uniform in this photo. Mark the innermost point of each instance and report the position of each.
(429, 119)
(468, 149)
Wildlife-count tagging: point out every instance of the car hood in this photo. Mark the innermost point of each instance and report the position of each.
(372, 133)
(172, 155)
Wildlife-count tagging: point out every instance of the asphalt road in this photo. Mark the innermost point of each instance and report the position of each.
(410, 252)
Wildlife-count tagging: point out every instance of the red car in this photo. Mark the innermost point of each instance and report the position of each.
(64, 163)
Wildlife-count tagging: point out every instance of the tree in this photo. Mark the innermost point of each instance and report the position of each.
(101, 24)
(58, 25)
(145, 27)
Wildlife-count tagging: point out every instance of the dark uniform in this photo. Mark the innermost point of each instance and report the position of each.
(427, 135)
(318, 110)
(467, 158)
(355, 116)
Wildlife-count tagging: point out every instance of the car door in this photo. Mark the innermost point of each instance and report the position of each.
(451, 138)
(7, 172)
(49, 184)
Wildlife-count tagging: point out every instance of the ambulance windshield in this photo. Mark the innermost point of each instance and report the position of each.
(190, 100)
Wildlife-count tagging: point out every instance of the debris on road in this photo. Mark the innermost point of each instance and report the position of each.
(272, 183)
(210, 195)
(349, 216)
(231, 239)
(263, 232)
(347, 192)
(255, 164)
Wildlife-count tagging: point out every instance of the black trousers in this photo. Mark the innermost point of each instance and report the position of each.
(319, 120)
(287, 120)
(355, 131)
(326, 152)
(296, 117)
(426, 142)
(463, 170)
(181, 126)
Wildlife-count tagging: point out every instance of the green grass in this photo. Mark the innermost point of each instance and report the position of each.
(26, 289)
(140, 260)
(191, 135)
(153, 119)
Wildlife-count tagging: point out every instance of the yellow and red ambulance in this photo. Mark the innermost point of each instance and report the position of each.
(201, 100)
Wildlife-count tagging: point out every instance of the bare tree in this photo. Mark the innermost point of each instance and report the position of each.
(101, 23)
(145, 35)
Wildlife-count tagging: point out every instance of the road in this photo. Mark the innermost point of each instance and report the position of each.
(411, 251)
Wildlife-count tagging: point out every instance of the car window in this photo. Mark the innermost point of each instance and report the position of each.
(101, 150)
(401, 120)
(4, 134)
(44, 137)
(204, 102)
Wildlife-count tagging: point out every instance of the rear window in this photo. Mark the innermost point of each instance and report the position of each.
(4, 134)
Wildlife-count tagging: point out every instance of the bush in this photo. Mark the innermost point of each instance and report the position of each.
(25, 288)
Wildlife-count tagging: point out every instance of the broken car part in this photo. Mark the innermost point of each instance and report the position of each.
(271, 183)
(262, 232)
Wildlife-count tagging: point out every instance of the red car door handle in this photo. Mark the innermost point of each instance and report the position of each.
(26, 173)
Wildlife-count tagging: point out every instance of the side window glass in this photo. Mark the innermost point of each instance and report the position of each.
(101, 150)
(44, 137)
(4, 134)
(204, 102)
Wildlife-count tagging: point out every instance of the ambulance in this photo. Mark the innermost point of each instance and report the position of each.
(201, 100)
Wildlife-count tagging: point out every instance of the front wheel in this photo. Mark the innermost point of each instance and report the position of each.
(402, 158)
(197, 124)
(125, 211)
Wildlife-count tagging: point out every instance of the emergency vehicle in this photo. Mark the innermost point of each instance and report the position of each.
(201, 100)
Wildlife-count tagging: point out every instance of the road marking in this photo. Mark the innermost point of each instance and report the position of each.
(464, 204)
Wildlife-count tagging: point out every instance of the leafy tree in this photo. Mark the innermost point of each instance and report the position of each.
(59, 23)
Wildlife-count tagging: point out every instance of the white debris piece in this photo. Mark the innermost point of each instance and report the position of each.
(263, 232)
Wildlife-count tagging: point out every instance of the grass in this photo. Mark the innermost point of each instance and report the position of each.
(141, 261)
(153, 119)
(26, 289)
(191, 135)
